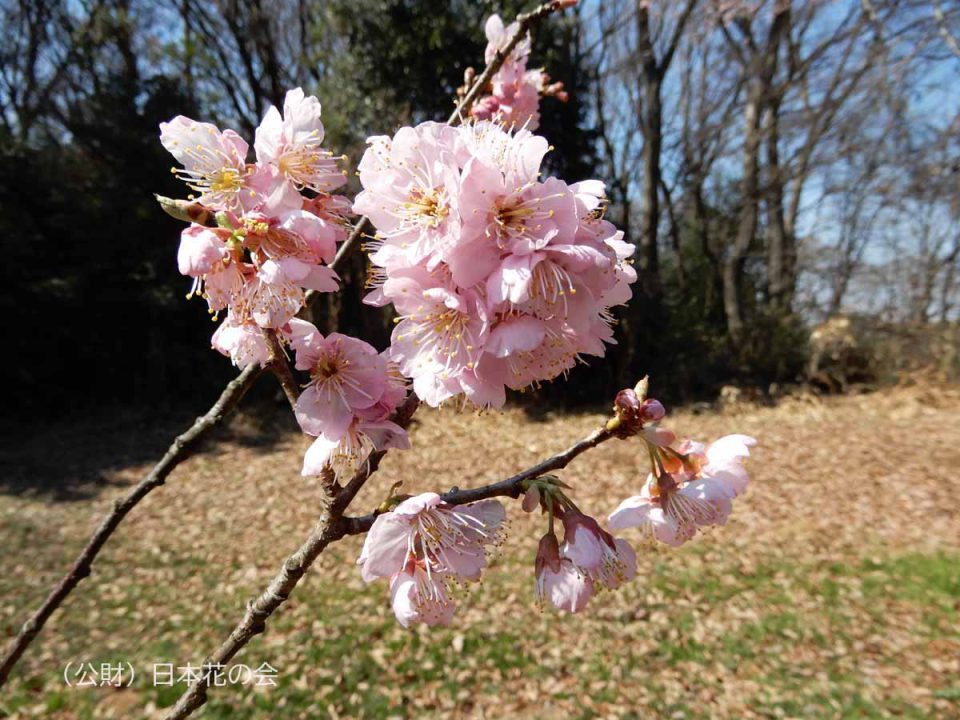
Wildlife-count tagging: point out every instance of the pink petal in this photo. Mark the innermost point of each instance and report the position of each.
(516, 334)
(568, 589)
(200, 251)
(318, 455)
(323, 413)
(585, 549)
(418, 503)
(385, 547)
(632, 512)
(729, 449)
(268, 137)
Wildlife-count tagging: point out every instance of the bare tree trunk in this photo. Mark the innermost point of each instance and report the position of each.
(948, 286)
(841, 281)
(781, 250)
(650, 202)
(747, 225)
(761, 67)
(652, 126)
(674, 235)
(712, 300)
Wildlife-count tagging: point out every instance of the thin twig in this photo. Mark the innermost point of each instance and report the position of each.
(525, 21)
(280, 367)
(176, 453)
(511, 487)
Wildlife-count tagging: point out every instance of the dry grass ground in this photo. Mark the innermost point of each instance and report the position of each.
(834, 591)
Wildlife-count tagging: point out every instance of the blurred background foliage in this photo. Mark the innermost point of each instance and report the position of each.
(777, 164)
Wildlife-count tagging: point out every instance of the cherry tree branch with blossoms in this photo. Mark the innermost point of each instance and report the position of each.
(500, 280)
(511, 487)
(186, 443)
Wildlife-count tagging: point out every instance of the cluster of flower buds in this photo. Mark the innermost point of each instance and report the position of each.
(347, 405)
(422, 546)
(277, 225)
(499, 279)
(633, 411)
(513, 97)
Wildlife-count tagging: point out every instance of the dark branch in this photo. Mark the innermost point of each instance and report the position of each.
(181, 448)
(511, 487)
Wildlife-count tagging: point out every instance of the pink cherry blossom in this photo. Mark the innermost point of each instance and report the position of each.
(424, 544)
(245, 343)
(370, 429)
(671, 507)
(346, 375)
(292, 144)
(334, 210)
(242, 341)
(498, 35)
(347, 405)
(211, 258)
(518, 99)
(595, 552)
(438, 339)
(510, 284)
(410, 188)
(447, 539)
(515, 91)
(558, 578)
(214, 162)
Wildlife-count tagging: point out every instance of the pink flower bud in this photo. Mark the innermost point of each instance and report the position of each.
(531, 499)
(548, 553)
(652, 411)
(627, 406)
(627, 401)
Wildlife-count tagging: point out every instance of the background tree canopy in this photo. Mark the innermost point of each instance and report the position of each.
(775, 163)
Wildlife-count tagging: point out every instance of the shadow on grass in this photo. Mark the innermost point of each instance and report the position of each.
(70, 459)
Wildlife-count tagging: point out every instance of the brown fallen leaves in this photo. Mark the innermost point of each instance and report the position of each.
(828, 593)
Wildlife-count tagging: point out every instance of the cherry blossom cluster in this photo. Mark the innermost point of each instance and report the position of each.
(514, 92)
(277, 223)
(690, 486)
(500, 280)
(589, 559)
(347, 404)
(422, 546)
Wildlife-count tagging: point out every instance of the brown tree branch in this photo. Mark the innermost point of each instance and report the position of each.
(178, 451)
(526, 22)
(511, 487)
(280, 367)
(329, 528)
